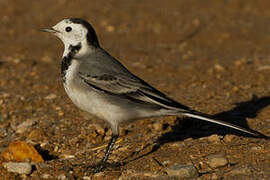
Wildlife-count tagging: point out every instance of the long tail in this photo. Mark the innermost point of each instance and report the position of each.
(204, 118)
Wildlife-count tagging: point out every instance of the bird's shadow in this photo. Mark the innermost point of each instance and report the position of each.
(187, 127)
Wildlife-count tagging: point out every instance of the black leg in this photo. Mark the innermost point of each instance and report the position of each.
(101, 164)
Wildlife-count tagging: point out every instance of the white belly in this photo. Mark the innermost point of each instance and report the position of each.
(88, 99)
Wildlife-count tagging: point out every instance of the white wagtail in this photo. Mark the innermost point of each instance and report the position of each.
(99, 84)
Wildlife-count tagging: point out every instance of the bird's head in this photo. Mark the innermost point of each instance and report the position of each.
(75, 33)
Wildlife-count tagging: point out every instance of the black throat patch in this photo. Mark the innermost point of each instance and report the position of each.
(66, 61)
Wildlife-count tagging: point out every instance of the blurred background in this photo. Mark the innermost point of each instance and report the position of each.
(210, 55)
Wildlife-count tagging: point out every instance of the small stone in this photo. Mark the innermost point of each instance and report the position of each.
(50, 97)
(100, 174)
(110, 28)
(66, 156)
(182, 171)
(215, 161)
(214, 138)
(240, 171)
(158, 126)
(25, 125)
(235, 89)
(256, 148)
(36, 135)
(100, 130)
(20, 168)
(61, 177)
(46, 176)
(3, 132)
(86, 178)
(60, 113)
(218, 67)
(240, 62)
(228, 138)
(166, 162)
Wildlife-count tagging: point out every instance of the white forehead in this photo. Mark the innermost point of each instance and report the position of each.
(67, 22)
(78, 32)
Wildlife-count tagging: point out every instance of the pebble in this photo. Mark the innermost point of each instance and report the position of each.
(256, 148)
(3, 132)
(228, 138)
(158, 126)
(99, 175)
(214, 138)
(25, 125)
(46, 176)
(240, 171)
(215, 161)
(100, 130)
(240, 62)
(219, 68)
(61, 177)
(20, 168)
(51, 96)
(110, 28)
(182, 171)
(66, 156)
(36, 135)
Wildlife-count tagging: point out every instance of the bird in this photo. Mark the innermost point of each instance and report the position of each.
(99, 84)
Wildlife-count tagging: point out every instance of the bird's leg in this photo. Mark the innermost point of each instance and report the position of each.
(107, 153)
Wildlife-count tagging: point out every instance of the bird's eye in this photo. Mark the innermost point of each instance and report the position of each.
(68, 29)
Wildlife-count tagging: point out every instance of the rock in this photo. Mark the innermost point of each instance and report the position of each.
(182, 171)
(110, 28)
(215, 161)
(25, 125)
(218, 67)
(20, 151)
(66, 156)
(3, 132)
(214, 138)
(20, 168)
(46, 176)
(256, 148)
(158, 126)
(228, 138)
(61, 177)
(240, 62)
(86, 178)
(100, 130)
(36, 135)
(50, 96)
(240, 171)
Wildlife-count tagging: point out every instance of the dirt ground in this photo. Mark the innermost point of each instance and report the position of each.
(213, 56)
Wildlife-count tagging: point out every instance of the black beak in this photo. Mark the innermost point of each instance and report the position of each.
(50, 30)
